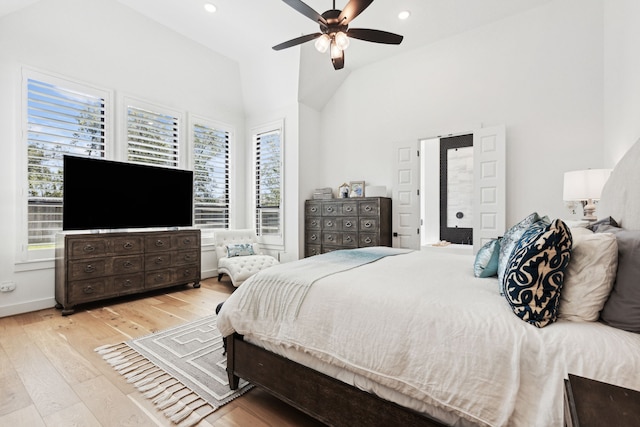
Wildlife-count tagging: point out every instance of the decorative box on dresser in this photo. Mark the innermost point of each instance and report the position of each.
(92, 267)
(332, 224)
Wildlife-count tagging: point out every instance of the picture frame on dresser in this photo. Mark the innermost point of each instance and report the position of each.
(343, 191)
(357, 189)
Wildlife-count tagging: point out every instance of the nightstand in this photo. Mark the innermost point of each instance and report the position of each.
(593, 403)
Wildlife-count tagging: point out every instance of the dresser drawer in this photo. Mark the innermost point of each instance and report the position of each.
(368, 239)
(186, 240)
(88, 290)
(369, 225)
(329, 238)
(313, 223)
(330, 224)
(349, 208)
(130, 244)
(159, 278)
(87, 268)
(186, 257)
(331, 209)
(85, 248)
(369, 208)
(186, 273)
(313, 237)
(157, 261)
(313, 208)
(129, 283)
(127, 264)
(349, 224)
(350, 240)
(157, 242)
(311, 250)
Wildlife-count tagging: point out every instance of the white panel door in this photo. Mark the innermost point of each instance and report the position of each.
(489, 158)
(406, 198)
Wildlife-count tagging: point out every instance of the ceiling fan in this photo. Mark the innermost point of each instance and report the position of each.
(334, 29)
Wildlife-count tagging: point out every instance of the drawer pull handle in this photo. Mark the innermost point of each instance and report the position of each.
(187, 273)
(348, 224)
(158, 278)
(367, 208)
(188, 257)
(159, 260)
(88, 248)
(367, 224)
(128, 245)
(348, 208)
(127, 284)
(88, 289)
(314, 209)
(314, 223)
(329, 223)
(367, 240)
(330, 209)
(127, 264)
(330, 238)
(159, 243)
(348, 238)
(89, 268)
(314, 237)
(187, 241)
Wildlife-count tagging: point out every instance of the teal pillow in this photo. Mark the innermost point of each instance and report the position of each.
(240, 249)
(486, 263)
(535, 272)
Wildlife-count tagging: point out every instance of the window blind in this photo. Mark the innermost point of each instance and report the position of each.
(268, 183)
(152, 137)
(211, 176)
(59, 121)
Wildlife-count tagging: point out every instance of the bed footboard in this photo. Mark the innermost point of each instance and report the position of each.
(330, 401)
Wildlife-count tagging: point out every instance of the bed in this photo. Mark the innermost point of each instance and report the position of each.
(414, 338)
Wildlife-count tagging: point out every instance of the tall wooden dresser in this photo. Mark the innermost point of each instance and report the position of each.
(346, 224)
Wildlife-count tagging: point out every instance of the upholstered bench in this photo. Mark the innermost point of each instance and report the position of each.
(239, 255)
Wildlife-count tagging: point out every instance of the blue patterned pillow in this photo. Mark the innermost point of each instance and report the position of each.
(486, 263)
(240, 249)
(510, 239)
(535, 272)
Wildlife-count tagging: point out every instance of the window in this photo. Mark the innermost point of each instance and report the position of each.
(210, 174)
(152, 137)
(268, 182)
(62, 117)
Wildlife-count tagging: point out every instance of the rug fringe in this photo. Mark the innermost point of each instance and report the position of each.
(194, 418)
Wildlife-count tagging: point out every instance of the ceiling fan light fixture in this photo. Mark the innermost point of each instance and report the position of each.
(322, 43)
(336, 52)
(342, 41)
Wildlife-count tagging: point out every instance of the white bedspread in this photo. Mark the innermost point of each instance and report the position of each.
(420, 324)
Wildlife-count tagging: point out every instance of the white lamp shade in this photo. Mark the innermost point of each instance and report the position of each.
(584, 184)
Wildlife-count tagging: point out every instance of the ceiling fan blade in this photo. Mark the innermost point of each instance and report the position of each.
(353, 9)
(307, 11)
(297, 41)
(338, 63)
(376, 36)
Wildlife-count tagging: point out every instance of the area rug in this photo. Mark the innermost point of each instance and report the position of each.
(182, 369)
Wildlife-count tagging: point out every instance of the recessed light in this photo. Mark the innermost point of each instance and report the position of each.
(404, 14)
(210, 7)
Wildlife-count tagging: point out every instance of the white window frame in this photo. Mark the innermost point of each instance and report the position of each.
(275, 242)
(192, 121)
(24, 254)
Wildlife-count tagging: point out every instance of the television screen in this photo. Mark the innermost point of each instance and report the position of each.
(103, 194)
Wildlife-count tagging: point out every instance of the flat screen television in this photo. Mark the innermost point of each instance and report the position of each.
(103, 194)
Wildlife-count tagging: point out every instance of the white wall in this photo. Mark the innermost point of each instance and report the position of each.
(539, 73)
(102, 43)
(621, 78)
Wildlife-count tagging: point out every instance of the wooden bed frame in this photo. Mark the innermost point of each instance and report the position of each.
(326, 399)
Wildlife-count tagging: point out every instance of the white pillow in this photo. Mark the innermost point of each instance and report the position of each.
(589, 277)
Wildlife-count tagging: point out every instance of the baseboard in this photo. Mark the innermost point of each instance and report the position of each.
(27, 307)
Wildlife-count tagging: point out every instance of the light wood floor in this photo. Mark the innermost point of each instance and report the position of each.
(50, 375)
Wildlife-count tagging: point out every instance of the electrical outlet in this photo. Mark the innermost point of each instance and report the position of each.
(7, 286)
